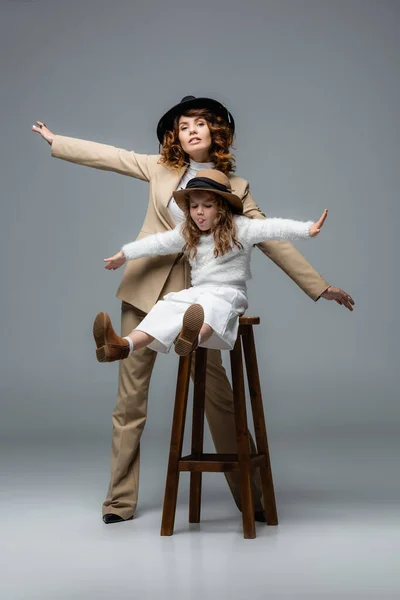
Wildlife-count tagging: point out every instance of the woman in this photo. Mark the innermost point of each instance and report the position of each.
(196, 134)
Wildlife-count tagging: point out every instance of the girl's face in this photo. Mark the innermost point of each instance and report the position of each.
(203, 209)
(195, 137)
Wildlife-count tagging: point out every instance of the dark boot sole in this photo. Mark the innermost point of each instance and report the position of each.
(193, 320)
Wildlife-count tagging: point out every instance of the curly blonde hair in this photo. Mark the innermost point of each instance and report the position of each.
(223, 229)
(174, 156)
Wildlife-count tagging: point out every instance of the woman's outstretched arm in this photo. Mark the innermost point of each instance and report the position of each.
(98, 156)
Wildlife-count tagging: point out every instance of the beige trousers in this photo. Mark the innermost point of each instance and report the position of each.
(129, 419)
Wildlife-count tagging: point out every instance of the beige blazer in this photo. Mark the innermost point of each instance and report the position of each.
(145, 280)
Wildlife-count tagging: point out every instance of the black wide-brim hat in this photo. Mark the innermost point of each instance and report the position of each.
(166, 123)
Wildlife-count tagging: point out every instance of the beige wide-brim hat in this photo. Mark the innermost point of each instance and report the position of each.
(210, 180)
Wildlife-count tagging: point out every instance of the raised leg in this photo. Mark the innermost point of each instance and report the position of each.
(259, 425)
(197, 432)
(242, 437)
(175, 453)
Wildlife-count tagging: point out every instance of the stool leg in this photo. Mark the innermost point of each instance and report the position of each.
(197, 431)
(242, 437)
(175, 453)
(259, 426)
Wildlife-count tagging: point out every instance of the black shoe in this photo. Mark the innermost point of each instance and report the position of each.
(111, 518)
(260, 516)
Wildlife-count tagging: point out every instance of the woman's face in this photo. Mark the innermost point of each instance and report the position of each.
(195, 137)
(203, 209)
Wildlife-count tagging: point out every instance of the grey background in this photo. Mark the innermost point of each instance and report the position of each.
(314, 88)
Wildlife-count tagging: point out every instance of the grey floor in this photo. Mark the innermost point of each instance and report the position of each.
(338, 537)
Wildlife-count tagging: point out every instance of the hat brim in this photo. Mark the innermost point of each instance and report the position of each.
(166, 122)
(234, 201)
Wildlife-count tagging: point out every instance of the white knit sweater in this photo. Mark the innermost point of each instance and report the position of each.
(233, 268)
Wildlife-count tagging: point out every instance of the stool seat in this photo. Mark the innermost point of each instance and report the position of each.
(198, 462)
(249, 320)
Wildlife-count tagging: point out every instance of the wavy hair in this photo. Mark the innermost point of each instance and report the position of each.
(174, 156)
(223, 229)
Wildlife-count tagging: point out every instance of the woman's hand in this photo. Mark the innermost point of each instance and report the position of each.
(316, 227)
(340, 296)
(44, 132)
(115, 262)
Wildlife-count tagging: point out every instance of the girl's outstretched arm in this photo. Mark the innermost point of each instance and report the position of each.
(166, 242)
(259, 230)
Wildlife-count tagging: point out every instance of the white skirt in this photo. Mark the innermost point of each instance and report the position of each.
(222, 307)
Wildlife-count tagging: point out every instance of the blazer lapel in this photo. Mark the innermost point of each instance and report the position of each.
(167, 185)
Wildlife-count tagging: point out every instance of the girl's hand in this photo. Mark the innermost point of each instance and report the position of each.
(115, 262)
(44, 132)
(316, 227)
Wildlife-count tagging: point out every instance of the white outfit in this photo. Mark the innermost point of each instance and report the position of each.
(218, 283)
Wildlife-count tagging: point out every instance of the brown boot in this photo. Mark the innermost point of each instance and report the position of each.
(110, 346)
(188, 339)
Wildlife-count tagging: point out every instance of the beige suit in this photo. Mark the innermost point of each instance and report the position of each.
(146, 280)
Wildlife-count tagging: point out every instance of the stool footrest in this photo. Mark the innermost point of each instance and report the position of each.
(216, 463)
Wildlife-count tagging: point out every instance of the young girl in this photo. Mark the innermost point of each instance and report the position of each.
(218, 242)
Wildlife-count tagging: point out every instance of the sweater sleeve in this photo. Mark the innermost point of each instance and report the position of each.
(259, 230)
(167, 242)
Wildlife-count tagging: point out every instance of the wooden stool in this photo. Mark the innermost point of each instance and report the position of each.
(197, 462)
